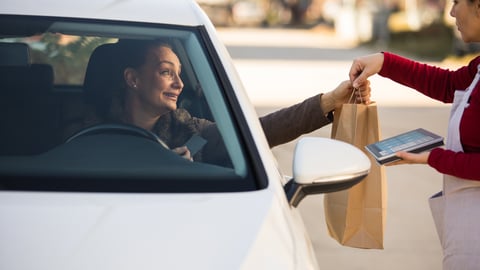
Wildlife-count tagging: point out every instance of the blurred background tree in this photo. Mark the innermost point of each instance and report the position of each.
(67, 54)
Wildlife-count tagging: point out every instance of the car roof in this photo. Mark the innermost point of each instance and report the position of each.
(177, 12)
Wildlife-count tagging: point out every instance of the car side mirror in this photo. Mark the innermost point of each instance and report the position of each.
(322, 165)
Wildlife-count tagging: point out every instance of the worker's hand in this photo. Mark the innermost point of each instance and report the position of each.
(364, 67)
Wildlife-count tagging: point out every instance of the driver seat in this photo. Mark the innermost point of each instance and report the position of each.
(98, 88)
(102, 78)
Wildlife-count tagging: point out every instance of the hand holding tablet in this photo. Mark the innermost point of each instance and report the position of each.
(414, 141)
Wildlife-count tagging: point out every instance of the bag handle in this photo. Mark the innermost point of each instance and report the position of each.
(352, 100)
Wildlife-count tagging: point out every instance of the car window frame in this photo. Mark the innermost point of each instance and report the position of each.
(253, 162)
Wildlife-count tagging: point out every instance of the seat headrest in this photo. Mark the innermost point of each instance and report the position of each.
(35, 80)
(14, 54)
(102, 77)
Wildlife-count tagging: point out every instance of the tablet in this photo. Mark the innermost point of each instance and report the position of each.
(195, 143)
(415, 141)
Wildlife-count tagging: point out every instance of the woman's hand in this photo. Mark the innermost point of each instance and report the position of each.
(411, 158)
(183, 152)
(364, 67)
(345, 93)
(362, 92)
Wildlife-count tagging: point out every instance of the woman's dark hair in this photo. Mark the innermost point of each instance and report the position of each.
(105, 84)
(133, 52)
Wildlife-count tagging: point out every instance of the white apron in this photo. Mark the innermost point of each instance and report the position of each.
(456, 210)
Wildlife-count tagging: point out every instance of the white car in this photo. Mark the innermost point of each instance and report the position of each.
(112, 197)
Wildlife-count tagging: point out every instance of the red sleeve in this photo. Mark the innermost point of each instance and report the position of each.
(441, 84)
(463, 165)
(432, 81)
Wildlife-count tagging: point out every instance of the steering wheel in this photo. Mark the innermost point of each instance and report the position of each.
(117, 128)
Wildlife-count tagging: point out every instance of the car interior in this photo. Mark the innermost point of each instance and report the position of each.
(39, 113)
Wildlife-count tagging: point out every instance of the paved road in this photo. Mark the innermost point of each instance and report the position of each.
(281, 67)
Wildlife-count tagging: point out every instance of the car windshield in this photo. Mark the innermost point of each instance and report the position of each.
(63, 104)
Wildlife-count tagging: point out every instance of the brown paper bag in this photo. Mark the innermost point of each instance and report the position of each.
(356, 217)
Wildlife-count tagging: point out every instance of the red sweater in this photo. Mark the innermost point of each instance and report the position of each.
(441, 84)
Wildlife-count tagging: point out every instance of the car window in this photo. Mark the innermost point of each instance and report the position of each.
(68, 54)
(60, 74)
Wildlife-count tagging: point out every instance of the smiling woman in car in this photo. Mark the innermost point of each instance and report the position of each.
(147, 96)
